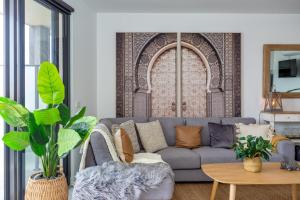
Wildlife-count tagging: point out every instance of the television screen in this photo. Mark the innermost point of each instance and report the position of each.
(288, 68)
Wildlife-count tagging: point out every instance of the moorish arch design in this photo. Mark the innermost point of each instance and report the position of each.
(161, 78)
(195, 75)
(161, 82)
(210, 70)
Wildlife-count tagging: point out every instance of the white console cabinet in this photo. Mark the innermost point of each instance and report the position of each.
(286, 123)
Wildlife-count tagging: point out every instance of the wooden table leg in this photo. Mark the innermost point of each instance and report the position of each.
(232, 192)
(214, 190)
(294, 192)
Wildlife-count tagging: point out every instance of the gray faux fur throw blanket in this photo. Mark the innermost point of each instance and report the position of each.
(115, 180)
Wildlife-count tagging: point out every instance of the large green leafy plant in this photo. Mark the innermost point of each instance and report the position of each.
(52, 132)
(251, 147)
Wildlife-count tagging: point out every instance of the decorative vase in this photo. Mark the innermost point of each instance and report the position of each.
(47, 189)
(253, 164)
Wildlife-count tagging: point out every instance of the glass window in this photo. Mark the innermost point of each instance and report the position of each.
(43, 41)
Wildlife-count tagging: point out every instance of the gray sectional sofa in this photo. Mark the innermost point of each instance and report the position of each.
(186, 163)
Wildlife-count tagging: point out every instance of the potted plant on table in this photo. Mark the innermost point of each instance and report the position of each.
(252, 150)
(51, 133)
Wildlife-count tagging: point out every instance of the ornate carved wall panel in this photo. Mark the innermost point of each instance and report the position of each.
(218, 97)
(193, 85)
(163, 85)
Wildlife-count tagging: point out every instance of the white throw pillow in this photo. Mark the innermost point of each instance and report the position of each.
(263, 130)
(152, 136)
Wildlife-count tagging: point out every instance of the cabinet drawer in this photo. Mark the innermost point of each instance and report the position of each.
(287, 118)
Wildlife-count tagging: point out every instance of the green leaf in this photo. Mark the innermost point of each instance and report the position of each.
(84, 126)
(252, 147)
(65, 113)
(81, 128)
(17, 141)
(47, 116)
(37, 132)
(50, 86)
(77, 116)
(13, 113)
(67, 140)
(38, 149)
(242, 138)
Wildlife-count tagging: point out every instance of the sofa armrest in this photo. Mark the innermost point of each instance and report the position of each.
(99, 148)
(286, 148)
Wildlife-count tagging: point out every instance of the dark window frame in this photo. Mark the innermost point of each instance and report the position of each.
(14, 79)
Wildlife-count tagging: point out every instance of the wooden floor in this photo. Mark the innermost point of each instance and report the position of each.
(201, 191)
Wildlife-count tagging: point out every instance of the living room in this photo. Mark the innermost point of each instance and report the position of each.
(201, 77)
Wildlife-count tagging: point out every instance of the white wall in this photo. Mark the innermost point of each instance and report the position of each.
(83, 64)
(256, 29)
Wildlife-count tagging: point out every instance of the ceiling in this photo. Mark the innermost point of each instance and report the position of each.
(196, 6)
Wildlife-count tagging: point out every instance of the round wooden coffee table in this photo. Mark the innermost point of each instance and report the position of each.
(234, 174)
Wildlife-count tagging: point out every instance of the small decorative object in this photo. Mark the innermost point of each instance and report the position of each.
(251, 150)
(273, 102)
(290, 166)
(51, 133)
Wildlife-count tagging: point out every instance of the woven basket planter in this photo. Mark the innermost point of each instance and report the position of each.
(43, 189)
(253, 164)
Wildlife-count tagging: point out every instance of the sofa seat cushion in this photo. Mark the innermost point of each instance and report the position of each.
(215, 155)
(219, 155)
(180, 158)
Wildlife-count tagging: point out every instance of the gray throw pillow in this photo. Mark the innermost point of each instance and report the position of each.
(221, 136)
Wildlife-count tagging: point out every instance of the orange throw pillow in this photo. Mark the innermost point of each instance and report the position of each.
(123, 145)
(188, 136)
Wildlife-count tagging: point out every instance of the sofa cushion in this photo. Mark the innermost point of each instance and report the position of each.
(221, 135)
(188, 136)
(257, 130)
(276, 157)
(123, 145)
(152, 136)
(235, 120)
(220, 155)
(90, 158)
(108, 122)
(129, 127)
(205, 140)
(180, 158)
(168, 125)
(215, 155)
(100, 148)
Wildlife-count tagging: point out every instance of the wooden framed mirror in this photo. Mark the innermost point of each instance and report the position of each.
(281, 70)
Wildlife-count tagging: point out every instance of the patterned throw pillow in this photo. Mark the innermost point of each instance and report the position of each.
(129, 127)
(123, 145)
(263, 130)
(152, 136)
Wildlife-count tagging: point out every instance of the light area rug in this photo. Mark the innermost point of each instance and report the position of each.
(201, 191)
